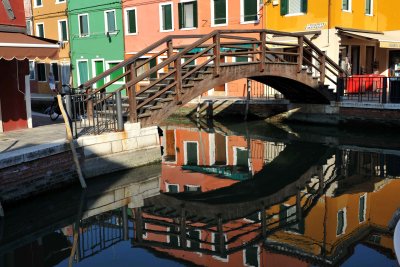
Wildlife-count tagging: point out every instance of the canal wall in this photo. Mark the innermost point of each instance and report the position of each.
(29, 171)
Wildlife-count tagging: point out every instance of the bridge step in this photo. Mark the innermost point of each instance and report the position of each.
(144, 115)
(162, 100)
(151, 107)
(188, 85)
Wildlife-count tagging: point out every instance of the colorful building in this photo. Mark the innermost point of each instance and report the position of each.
(16, 50)
(97, 39)
(182, 17)
(49, 20)
(362, 36)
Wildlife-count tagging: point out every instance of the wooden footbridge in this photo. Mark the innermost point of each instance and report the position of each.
(189, 65)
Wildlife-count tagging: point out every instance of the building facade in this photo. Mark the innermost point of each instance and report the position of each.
(362, 37)
(183, 17)
(49, 20)
(97, 40)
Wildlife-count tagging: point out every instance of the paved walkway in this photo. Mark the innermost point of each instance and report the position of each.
(44, 131)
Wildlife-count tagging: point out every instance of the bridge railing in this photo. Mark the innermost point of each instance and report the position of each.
(149, 75)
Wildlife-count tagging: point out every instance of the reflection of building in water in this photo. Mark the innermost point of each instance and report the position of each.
(344, 203)
(196, 160)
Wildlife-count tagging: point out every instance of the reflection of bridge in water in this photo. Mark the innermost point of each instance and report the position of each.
(291, 206)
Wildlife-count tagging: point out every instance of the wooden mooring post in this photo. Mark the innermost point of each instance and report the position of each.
(246, 112)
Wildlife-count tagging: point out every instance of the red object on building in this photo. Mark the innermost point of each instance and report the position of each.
(16, 48)
(364, 83)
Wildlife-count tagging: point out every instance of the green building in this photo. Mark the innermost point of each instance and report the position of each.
(97, 39)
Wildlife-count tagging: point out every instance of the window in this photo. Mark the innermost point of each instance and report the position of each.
(54, 70)
(241, 59)
(341, 222)
(361, 208)
(251, 256)
(83, 71)
(218, 246)
(293, 7)
(83, 25)
(369, 7)
(192, 188)
(219, 11)
(346, 5)
(249, 11)
(40, 30)
(65, 73)
(32, 70)
(241, 157)
(191, 153)
(187, 15)
(38, 3)
(29, 27)
(166, 17)
(110, 21)
(194, 242)
(41, 70)
(60, 1)
(130, 21)
(62, 30)
(116, 73)
(172, 188)
(288, 217)
(173, 238)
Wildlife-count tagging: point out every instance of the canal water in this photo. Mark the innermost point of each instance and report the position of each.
(249, 194)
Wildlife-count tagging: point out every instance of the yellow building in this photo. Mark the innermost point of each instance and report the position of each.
(363, 36)
(49, 20)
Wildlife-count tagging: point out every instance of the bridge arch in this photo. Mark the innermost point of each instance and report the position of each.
(195, 64)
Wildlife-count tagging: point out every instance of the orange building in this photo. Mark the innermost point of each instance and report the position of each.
(189, 17)
(49, 20)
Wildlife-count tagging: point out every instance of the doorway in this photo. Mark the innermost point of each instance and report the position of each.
(355, 59)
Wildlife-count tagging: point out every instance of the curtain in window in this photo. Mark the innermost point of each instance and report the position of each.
(83, 71)
(111, 21)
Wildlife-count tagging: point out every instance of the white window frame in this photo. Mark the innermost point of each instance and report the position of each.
(191, 185)
(344, 221)
(297, 13)
(127, 22)
(37, 29)
(60, 1)
(191, 28)
(167, 188)
(371, 8)
(349, 8)
(258, 256)
(168, 239)
(242, 13)
(108, 78)
(94, 68)
(35, 4)
(365, 208)
(213, 247)
(58, 69)
(106, 22)
(161, 16)
(60, 30)
(34, 70)
(45, 72)
(79, 25)
(77, 69)
(212, 14)
(185, 154)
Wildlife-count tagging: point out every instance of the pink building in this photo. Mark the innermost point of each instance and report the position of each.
(149, 21)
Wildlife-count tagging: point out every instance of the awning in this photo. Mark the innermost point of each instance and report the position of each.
(22, 46)
(386, 39)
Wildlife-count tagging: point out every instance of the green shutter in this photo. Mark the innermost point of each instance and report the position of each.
(191, 156)
(250, 10)
(132, 21)
(195, 17)
(284, 7)
(219, 12)
(99, 67)
(180, 11)
(304, 6)
(83, 71)
(167, 17)
(368, 7)
(153, 63)
(116, 73)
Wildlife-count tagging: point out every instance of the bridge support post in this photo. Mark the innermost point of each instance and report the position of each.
(1, 211)
(120, 120)
(217, 54)
(178, 79)
(247, 99)
(384, 91)
(125, 222)
(263, 37)
(301, 54)
(263, 222)
(132, 96)
(182, 228)
(139, 225)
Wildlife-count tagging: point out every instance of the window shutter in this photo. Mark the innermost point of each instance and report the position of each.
(304, 6)
(180, 11)
(195, 17)
(167, 17)
(284, 7)
(219, 11)
(132, 21)
(250, 10)
(368, 7)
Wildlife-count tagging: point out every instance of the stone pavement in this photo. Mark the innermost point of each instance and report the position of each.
(44, 131)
